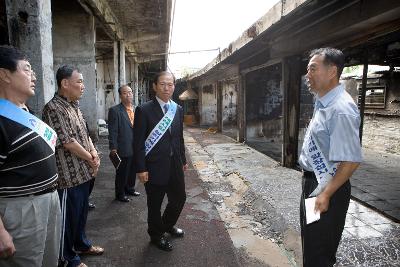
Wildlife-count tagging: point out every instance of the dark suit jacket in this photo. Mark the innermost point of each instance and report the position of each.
(158, 161)
(120, 131)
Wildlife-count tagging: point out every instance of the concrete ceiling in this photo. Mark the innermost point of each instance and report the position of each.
(143, 25)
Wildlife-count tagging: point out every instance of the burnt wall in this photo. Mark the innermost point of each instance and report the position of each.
(264, 96)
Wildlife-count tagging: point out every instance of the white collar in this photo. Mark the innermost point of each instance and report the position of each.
(162, 103)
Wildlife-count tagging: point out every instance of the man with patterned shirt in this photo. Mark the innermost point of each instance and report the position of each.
(77, 163)
(30, 215)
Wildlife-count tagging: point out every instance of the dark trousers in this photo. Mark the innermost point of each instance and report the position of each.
(320, 239)
(175, 190)
(74, 210)
(125, 177)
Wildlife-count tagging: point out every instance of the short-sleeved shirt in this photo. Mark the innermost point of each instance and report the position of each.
(27, 163)
(335, 127)
(67, 120)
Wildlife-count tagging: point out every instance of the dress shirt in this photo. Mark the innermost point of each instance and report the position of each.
(131, 114)
(335, 127)
(162, 104)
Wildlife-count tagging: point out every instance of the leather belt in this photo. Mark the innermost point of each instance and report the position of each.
(308, 174)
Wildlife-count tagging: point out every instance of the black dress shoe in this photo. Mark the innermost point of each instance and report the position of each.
(176, 232)
(162, 243)
(123, 199)
(133, 193)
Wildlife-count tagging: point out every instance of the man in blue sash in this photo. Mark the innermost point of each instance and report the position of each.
(159, 153)
(330, 154)
(30, 217)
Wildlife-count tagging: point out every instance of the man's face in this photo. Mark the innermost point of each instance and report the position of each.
(75, 85)
(164, 87)
(319, 74)
(22, 80)
(126, 95)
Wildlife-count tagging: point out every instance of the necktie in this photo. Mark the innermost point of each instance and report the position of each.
(166, 107)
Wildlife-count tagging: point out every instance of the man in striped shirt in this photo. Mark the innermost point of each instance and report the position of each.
(29, 206)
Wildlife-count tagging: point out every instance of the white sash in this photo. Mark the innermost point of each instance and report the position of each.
(319, 164)
(14, 113)
(161, 128)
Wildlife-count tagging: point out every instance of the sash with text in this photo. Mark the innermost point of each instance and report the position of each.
(161, 128)
(17, 114)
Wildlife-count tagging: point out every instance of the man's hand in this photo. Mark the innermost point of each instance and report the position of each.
(94, 162)
(185, 167)
(322, 203)
(143, 176)
(7, 248)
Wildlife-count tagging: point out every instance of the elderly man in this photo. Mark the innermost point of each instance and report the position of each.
(160, 159)
(77, 163)
(331, 153)
(30, 216)
(120, 129)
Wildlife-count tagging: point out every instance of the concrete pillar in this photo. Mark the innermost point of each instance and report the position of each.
(241, 109)
(29, 27)
(122, 73)
(218, 87)
(135, 69)
(116, 72)
(74, 44)
(291, 109)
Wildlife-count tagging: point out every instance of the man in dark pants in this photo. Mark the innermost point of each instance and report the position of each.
(330, 154)
(160, 159)
(120, 137)
(77, 163)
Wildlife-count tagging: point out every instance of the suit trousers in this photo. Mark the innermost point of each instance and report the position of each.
(175, 191)
(125, 177)
(320, 239)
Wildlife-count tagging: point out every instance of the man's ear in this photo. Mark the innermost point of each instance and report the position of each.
(5, 75)
(333, 71)
(64, 83)
(154, 87)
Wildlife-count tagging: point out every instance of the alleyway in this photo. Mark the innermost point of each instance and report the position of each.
(264, 197)
(121, 229)
(243, 211)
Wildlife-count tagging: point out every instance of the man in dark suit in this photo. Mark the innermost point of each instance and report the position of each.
(161, 162)
(120, 137)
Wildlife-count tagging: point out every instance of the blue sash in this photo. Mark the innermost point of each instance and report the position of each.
(318, 162)
(161, 128)
(17, 114)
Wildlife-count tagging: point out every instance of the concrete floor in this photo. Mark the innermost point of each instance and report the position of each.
(376, 183)
(270, 202)
(121, 228)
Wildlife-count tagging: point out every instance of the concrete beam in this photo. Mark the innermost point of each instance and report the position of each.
(103, 12)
